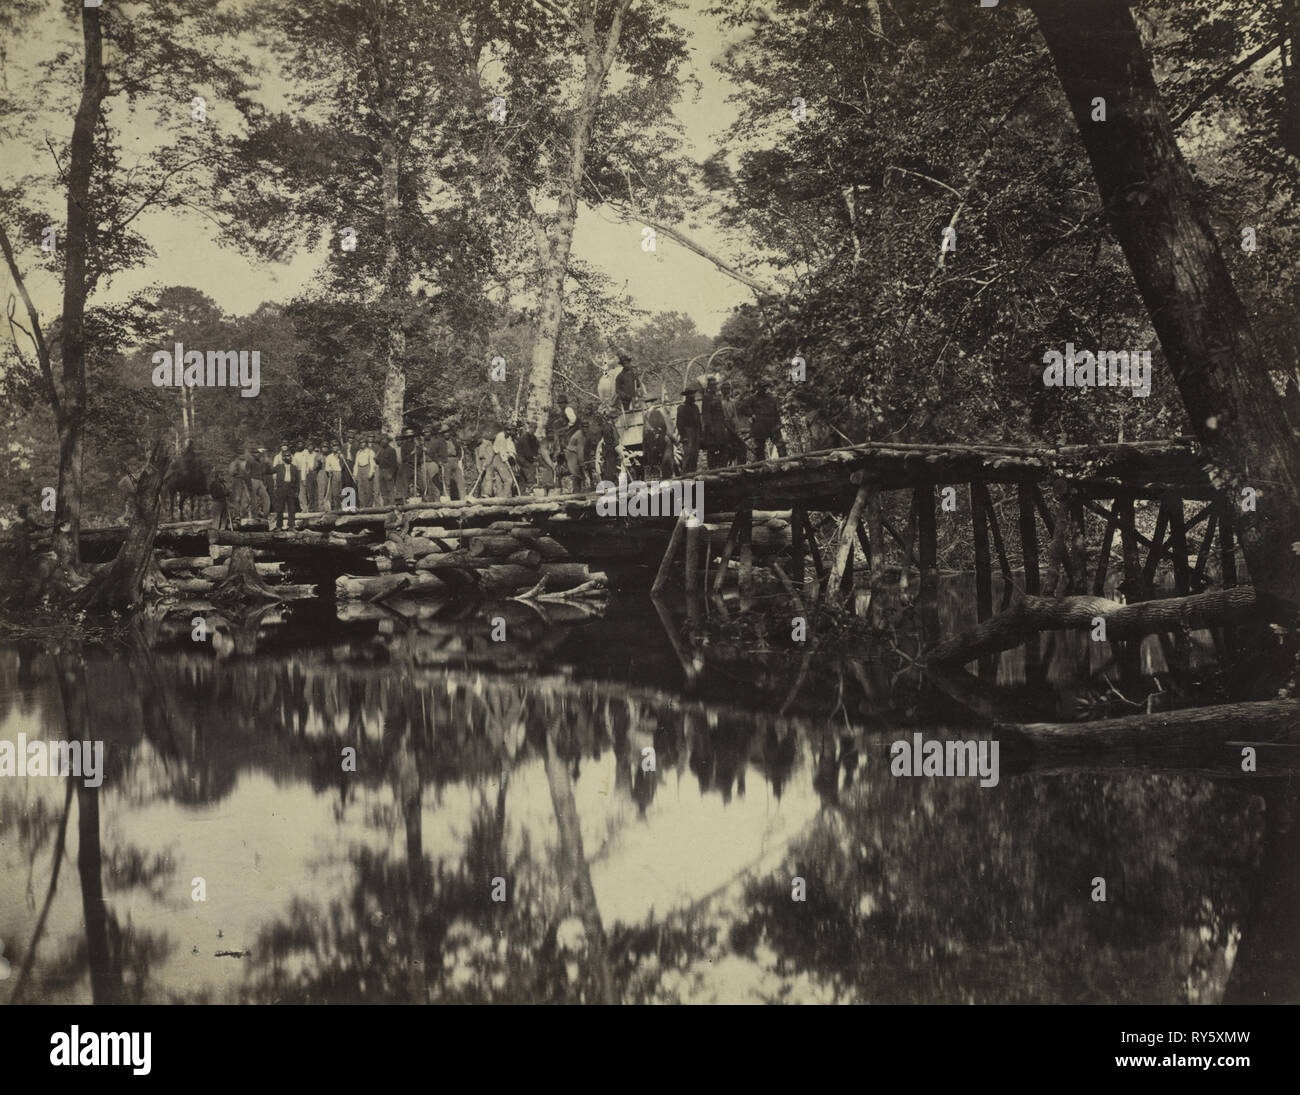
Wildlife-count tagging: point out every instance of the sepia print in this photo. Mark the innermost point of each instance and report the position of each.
(648, 502)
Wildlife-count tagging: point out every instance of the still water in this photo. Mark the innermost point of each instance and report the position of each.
(614, 805)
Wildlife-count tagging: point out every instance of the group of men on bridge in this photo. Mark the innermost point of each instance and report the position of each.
(572, 453)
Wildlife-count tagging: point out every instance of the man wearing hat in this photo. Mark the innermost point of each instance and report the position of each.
(287, 478)
(627, 386)
(447, 453)
(261, 480)
(688, 429)
(241, 502)
(765, 422)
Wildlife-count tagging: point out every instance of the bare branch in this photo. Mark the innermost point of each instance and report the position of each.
(672, 233)
(37, 336)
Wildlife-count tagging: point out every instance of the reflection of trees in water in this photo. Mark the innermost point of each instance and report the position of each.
(202, 721)
(119, 960)
(921, 890)
(940, 891)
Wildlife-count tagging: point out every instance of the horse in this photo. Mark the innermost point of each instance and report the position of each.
(186, 478)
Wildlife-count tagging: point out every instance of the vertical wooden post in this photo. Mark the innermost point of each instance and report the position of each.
(912, 556)
(1203, 555)
(1178, 543)
(1228, 569)
(692, 557)
(1056, 584)
(876, 536)
(983, 570)
(797, 519)
(665, 564)
(819, 568)
(727, 549)
(1129, 651)
(1134, 589)
(1157, 549)
(991, 516)
(844, 549)
(1028, 526)
(983, 560)
(1029, 538)
(846, 580)
(1107, 540)
(744, 539)
(1078, 546)
(1227, 551)
(928, 561)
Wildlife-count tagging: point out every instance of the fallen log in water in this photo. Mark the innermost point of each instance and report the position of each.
(462, 578)
(333, 540)
(1030, 615)
(1164, 731)
(182, 563)
(497, 546)
(263, 570)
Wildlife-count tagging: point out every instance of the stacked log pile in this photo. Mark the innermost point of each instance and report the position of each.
(510, 555)
(505, 556)
(200, 575)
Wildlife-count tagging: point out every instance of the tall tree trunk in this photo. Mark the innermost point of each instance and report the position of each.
(599, 58)
(1288, 19)
(72, 397)
(1151, 201)
(576, 874)
(105, 969)
(394, 290)
(120, 585)
(1267, 966)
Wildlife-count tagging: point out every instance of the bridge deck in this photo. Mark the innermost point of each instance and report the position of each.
(824, 480)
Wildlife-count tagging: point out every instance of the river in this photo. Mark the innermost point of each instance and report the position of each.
(500, 804)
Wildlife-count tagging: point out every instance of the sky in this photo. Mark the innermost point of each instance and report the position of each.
(670, 278)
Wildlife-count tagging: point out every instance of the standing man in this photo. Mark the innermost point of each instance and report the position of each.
(628, 385)
(483, 454)
(241, 493)
(527, 451)
(731, 418)
(610, 457)
(363, 471)
(765, 422)
(332, 479)
(713, 425)
(347, 457)
(304, 460)
(386, 462)
(501, 476)
(288, 480)
(688, 429)
(263, 480)
(433, 482)
(219, 491)
(575, 449)
(407, 447)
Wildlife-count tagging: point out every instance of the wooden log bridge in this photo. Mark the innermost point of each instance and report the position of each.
(1025, 510)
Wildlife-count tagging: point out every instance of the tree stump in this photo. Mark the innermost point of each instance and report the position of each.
(242, 582)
